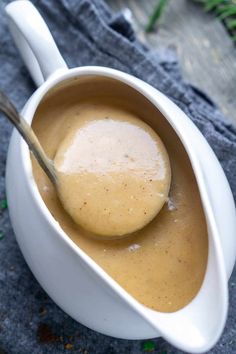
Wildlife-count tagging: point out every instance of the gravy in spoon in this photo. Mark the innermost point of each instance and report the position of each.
(113, 172)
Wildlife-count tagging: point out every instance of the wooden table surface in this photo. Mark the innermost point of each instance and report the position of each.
(207, 54)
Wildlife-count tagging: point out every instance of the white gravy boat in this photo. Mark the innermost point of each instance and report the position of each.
(70, 277)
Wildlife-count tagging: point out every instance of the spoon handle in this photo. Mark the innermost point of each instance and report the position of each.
(7, 107)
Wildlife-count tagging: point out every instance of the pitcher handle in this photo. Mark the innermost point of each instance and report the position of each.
(34, 41)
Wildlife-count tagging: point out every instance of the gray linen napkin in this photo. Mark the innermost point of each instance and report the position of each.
(88, 33)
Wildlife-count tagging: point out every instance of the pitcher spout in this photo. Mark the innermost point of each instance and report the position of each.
(197, 327)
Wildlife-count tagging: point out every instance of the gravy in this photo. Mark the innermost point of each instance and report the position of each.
(163, 264)
(113, 172)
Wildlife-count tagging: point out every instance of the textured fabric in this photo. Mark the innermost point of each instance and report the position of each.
(87, 33)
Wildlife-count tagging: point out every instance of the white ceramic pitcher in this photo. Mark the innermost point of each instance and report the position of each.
(70, 277)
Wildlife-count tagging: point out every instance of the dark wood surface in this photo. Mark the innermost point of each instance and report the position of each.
(207, 54)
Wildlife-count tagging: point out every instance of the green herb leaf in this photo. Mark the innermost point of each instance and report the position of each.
(231, 24)
(224, 10)
(225, 6)
(230, 11)
(157, 14)
(3, 204)
(149, 346)
(211, 4)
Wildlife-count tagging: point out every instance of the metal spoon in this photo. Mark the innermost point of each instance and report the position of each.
(7, 107)
(60, 179)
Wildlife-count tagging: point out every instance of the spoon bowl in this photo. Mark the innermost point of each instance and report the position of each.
(113, 177)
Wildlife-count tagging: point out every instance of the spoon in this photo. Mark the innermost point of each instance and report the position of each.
(123, 210)
(7, 107)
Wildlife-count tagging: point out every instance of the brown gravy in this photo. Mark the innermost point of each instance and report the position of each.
(163, 264)
(113, 172)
